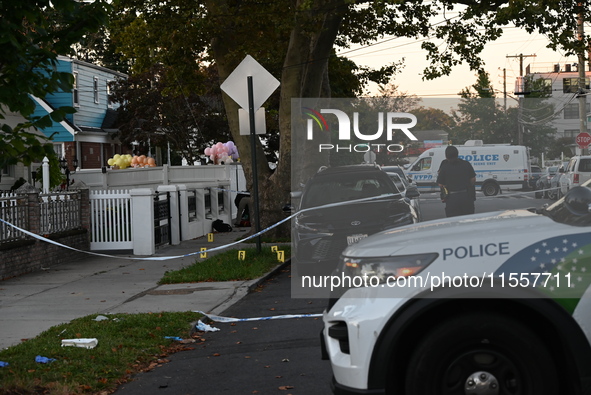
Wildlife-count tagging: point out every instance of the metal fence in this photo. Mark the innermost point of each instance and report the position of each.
(52, 213)
(13, 209)
(59, 212)
(162, 219)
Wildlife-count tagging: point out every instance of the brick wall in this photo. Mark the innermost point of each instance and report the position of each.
(26, 256)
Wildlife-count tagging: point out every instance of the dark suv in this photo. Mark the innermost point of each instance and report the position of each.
(340, 206)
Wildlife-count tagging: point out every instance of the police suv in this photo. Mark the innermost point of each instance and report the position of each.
(494, 303)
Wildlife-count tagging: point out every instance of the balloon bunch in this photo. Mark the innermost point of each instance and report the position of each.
(222, 153)
(125, 161)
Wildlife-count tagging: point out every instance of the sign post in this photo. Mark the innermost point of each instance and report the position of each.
(253, 150)
(251, 96)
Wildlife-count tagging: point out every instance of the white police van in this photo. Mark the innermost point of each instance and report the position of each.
(497, 166)
(494, 303)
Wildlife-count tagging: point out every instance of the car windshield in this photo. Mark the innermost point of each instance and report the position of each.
(342, 187)
(400, 186)
(560, 212)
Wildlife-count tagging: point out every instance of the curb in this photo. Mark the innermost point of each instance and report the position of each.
(240, 292)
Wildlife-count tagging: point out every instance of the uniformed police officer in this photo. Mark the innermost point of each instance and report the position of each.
(457, 177)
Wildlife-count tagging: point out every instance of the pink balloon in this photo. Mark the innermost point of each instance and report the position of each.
(219, 145)
(207, 151)
(212, 157)
(213, 150)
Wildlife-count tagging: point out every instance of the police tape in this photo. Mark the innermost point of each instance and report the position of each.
(217, 318)
(165, 258)
(158, 258)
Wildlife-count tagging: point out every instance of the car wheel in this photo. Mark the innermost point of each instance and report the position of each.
(490, 189)
(481, 353)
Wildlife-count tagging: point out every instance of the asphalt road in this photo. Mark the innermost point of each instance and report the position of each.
(271, 357)
(261, 357)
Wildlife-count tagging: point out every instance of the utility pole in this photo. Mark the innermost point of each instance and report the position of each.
(519, 127)
(505, 89)
(521, 56)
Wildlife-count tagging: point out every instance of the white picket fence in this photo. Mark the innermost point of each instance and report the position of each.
(111, 220)
(126, 219)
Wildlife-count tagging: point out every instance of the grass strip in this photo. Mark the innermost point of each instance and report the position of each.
(232, 265)
(127, 344)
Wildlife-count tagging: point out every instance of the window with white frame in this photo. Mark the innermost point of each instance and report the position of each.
(58, 149)
(7, 171)
(571, 85)
(95, 89)
(109, 101)
(571, 111)
(75, 96)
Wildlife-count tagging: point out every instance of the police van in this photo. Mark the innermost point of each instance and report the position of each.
(494, 303)
(497, 166)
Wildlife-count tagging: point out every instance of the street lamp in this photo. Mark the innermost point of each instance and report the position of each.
(66, 168)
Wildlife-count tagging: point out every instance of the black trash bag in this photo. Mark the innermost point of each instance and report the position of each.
(219, 226)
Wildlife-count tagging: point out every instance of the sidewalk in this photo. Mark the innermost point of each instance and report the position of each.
(32, 303)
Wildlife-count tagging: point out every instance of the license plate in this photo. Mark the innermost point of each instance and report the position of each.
(355, 238)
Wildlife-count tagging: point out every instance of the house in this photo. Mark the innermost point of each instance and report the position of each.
(563, 79)
(88, 134)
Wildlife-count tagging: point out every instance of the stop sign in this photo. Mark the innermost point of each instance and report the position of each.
(583, 140)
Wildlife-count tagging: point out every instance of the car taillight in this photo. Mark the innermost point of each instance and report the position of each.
(525, 175)
(575, 178)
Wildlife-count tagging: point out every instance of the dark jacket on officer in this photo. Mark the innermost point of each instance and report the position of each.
(457, 177)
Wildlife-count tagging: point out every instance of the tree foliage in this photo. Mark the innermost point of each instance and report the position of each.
(156, 111)
(482, 116)
(295, 41)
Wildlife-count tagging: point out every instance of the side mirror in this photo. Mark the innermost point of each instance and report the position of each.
(412, 192)
(288, 208)
(561, 170)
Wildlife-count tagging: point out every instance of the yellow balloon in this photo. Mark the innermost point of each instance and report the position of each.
(116, 157)
(111, 162)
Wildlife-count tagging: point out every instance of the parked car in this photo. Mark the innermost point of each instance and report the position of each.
(542, 186)
(556, 189)
(361, 199)
(535, 174)
(455, 306)
(398, 170)
(577, 172)
(409, 191)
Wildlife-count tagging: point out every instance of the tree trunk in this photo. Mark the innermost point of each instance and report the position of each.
(304, 69)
